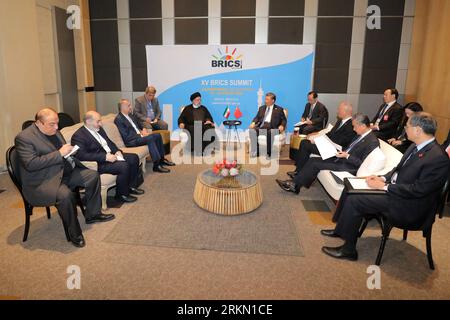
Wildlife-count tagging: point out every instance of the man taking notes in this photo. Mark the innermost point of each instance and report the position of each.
(411, 189)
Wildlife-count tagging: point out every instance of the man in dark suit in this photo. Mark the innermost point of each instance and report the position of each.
(50, 175)
(314, 116)
(269, 119)
(134, 135)
(401, 141)
(411, 189)
(342, 134)
(349, 160)
(197, 120)
(95, 145)
(446, 144)
(388, 117)
(147, 110)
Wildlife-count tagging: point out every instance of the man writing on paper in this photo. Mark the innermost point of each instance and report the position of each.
(349, 160)
(342, 134)
(50, 175)
(95, 145)
(411, 189)
(314, 115)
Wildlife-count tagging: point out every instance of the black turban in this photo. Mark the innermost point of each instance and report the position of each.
(195, 95)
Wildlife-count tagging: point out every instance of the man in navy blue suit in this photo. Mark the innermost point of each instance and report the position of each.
(95, 145)
(134, 135)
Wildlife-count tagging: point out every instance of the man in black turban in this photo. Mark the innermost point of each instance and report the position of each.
(196, 112)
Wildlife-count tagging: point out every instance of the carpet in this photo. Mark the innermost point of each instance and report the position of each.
(166, 216)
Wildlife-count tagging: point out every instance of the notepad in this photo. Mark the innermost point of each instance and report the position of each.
(359, 184)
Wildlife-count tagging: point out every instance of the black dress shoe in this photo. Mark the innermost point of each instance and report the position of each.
(340, 253)
(101, 217)
(288, 186)
(291, 174)
(168, 163)
(126, 198)
(78, 241)
(160, 169)
(329, 233)
(136, 191)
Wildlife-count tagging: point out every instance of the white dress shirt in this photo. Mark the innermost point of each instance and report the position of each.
(389, 105)
(132, 123)
(100, 139)
(268, 116)
(419, 147)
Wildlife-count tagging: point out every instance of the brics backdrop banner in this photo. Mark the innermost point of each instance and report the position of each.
(231, 76)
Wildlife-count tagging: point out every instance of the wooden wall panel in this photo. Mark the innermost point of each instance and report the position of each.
(428, 79)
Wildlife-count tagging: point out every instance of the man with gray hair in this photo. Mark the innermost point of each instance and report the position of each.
(134, 135)
(349, 159)
(95, 145)
(342, 134)
(411, 189)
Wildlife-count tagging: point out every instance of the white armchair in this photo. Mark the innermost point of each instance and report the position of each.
(379, 162)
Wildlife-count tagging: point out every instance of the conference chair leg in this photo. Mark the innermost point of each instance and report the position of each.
(363, 228)
(27, 226)
(49, 216)
(429, 253)
(405, 235)
(385, 237)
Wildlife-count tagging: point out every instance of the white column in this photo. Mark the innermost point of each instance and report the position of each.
(262, 21)
(168, 21)
(214, 23)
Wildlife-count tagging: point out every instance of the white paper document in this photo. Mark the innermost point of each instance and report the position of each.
(359, 184)
(327, 148)
(75, 149)
(299, 124)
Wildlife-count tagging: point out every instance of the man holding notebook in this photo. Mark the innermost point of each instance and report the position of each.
(342, 134)
(411, 189)
(350, 159)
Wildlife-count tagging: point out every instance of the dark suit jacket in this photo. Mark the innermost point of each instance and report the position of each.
(446, 142)
(41, 166)
(360, 151)
(415, 192)
(129, 135)
(319, 114)
(389, 122)
(90, 148)
(278, 117)
(344, 135)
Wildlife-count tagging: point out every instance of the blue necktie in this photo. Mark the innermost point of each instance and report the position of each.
(353, 144)
(150, 112)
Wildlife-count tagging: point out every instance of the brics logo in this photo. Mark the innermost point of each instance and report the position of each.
(227, 60)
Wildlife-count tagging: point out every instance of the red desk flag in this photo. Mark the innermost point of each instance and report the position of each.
(237, 113)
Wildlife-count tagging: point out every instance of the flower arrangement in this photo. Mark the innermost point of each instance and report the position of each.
(227, 168)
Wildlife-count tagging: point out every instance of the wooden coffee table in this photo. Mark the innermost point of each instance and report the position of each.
(230, 195)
